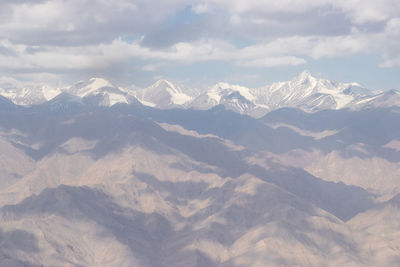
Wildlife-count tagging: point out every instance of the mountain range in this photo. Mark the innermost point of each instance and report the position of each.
(98, 175)
(304, 91)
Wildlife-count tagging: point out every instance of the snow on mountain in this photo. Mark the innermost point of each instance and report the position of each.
(304, 91)
(93, 86)
(95, 91)
(384, 99)
(163, 94)
(233, 97)
(310, 93)
(22, 93)
(99, 91)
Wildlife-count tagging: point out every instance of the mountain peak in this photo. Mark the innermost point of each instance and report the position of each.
(162, 94)
(91, 86)
(169, 87)
(222, 85)
(225, 86)
(303, 78)
(164, 83)
(305, 74)
(99, 82)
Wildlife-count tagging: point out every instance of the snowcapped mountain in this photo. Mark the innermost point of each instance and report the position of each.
(98, 91)
(234, 97)
(26, 93)
(304, 91)
(384, 99)
(163, 94)
(95, 91)
(310, 93)
(93, 86)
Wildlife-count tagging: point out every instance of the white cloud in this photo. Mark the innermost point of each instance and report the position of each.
(256, 6)
(390, 41)
(120, 5)
(359, 11)
(367, 11)
(77, 22)
(272, 62)
(339, 46)
(390, 62)
(151, 67)
(288, 51)
(57, 36)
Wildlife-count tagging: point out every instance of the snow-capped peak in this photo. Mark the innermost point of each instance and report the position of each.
(99, 91)
(26, 93)
(93, 85)
(304, 79)
(165, 84)
(303, 91)
(168, 86)
(99, 82)
(162, 94)
(49, 92)
(305, 74)
(217, 91)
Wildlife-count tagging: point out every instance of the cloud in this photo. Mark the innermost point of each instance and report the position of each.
(272, 62)
(390, 40)
(358, 11)
(52, 37)
(362, 12)
(340, 46)
(103, 56)
(77, 22)
(289, 51)
(151, 67)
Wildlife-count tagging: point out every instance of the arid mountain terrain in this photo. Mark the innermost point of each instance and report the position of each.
(102, 176)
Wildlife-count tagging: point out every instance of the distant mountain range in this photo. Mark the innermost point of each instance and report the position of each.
(304, 91)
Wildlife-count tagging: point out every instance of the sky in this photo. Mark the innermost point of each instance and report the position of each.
(201, 42)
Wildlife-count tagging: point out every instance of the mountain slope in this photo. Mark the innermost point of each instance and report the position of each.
(22, 93)
(95, 91)
(310, 93)
(385, 99)
(233, 97)
(382, 225)
(304, 91)
(100, 92)
(162, 94)
(130, 185)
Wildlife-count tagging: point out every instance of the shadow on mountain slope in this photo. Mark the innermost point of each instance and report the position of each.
(152, 239)
(143, 233)
(371, 127)
(14, 241)
(47, 124)
(115, 130)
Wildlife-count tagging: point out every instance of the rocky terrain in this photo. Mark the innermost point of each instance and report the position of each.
(98, 175)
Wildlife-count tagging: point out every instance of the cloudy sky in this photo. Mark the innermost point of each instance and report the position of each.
(199, 42)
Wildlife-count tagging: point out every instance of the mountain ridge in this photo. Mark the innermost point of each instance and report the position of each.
(303, 91)
(131, 185)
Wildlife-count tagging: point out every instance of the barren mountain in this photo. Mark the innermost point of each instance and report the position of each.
(130, 185)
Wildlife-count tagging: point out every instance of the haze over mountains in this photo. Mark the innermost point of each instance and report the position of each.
(98, 175)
